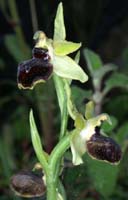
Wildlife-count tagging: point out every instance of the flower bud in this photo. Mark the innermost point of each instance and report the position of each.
(27, 184)
(103, 148)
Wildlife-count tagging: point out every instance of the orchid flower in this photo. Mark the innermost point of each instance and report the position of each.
(87, 138)
(50, 57)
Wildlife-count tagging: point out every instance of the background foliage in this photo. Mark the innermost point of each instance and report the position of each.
(101, 28)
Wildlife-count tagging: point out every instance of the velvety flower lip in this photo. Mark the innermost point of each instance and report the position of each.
(32, 71)
(103, 148)
(40, 53)
(27, 184)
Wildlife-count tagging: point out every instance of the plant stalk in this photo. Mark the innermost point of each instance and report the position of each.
(52, 178)
(51, 186)
(19, 33)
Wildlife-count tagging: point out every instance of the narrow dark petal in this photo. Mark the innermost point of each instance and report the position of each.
(40, 53)
(27, 184)
(104, 148)
(33, 71)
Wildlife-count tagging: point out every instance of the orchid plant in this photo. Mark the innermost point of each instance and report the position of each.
(50, 60)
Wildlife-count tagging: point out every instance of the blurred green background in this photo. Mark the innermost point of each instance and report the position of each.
(102, 27)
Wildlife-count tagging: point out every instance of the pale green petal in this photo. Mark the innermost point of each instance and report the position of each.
(62, 48)
(78, 148)
(65, 67)
(89, 111)
(91, 124)
(79, 121)
(59, 27)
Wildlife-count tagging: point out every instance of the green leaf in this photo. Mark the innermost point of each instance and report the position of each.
(100, 73)
(62, 48)
(116, 80)
(79, 96)
(77, 57)
(122, 135)
(103, 175)
(59, 196)
(118, 101)
(35, 135)
(41, 155)
(89, 111)
(93, 61)
(65, 67)
(79, 93)
(12, 45)
(59, 27)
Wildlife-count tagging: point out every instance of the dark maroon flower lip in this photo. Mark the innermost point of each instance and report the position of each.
(27, 184)
(104, 148)
(33, 71)
(40, 53)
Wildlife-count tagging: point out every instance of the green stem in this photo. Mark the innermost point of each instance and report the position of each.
(64, 119)
(72, 110)
(59, 86)
(52, 177)
(33, 15)
(55, 157)
(59, 150)
(51, 186)
(62, 100)
(18, 30)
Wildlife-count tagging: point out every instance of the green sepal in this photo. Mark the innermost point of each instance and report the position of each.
(62, 48)
(77, 148)
(59, 27)
(89, 111)
(79, 121)
(65, 67)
